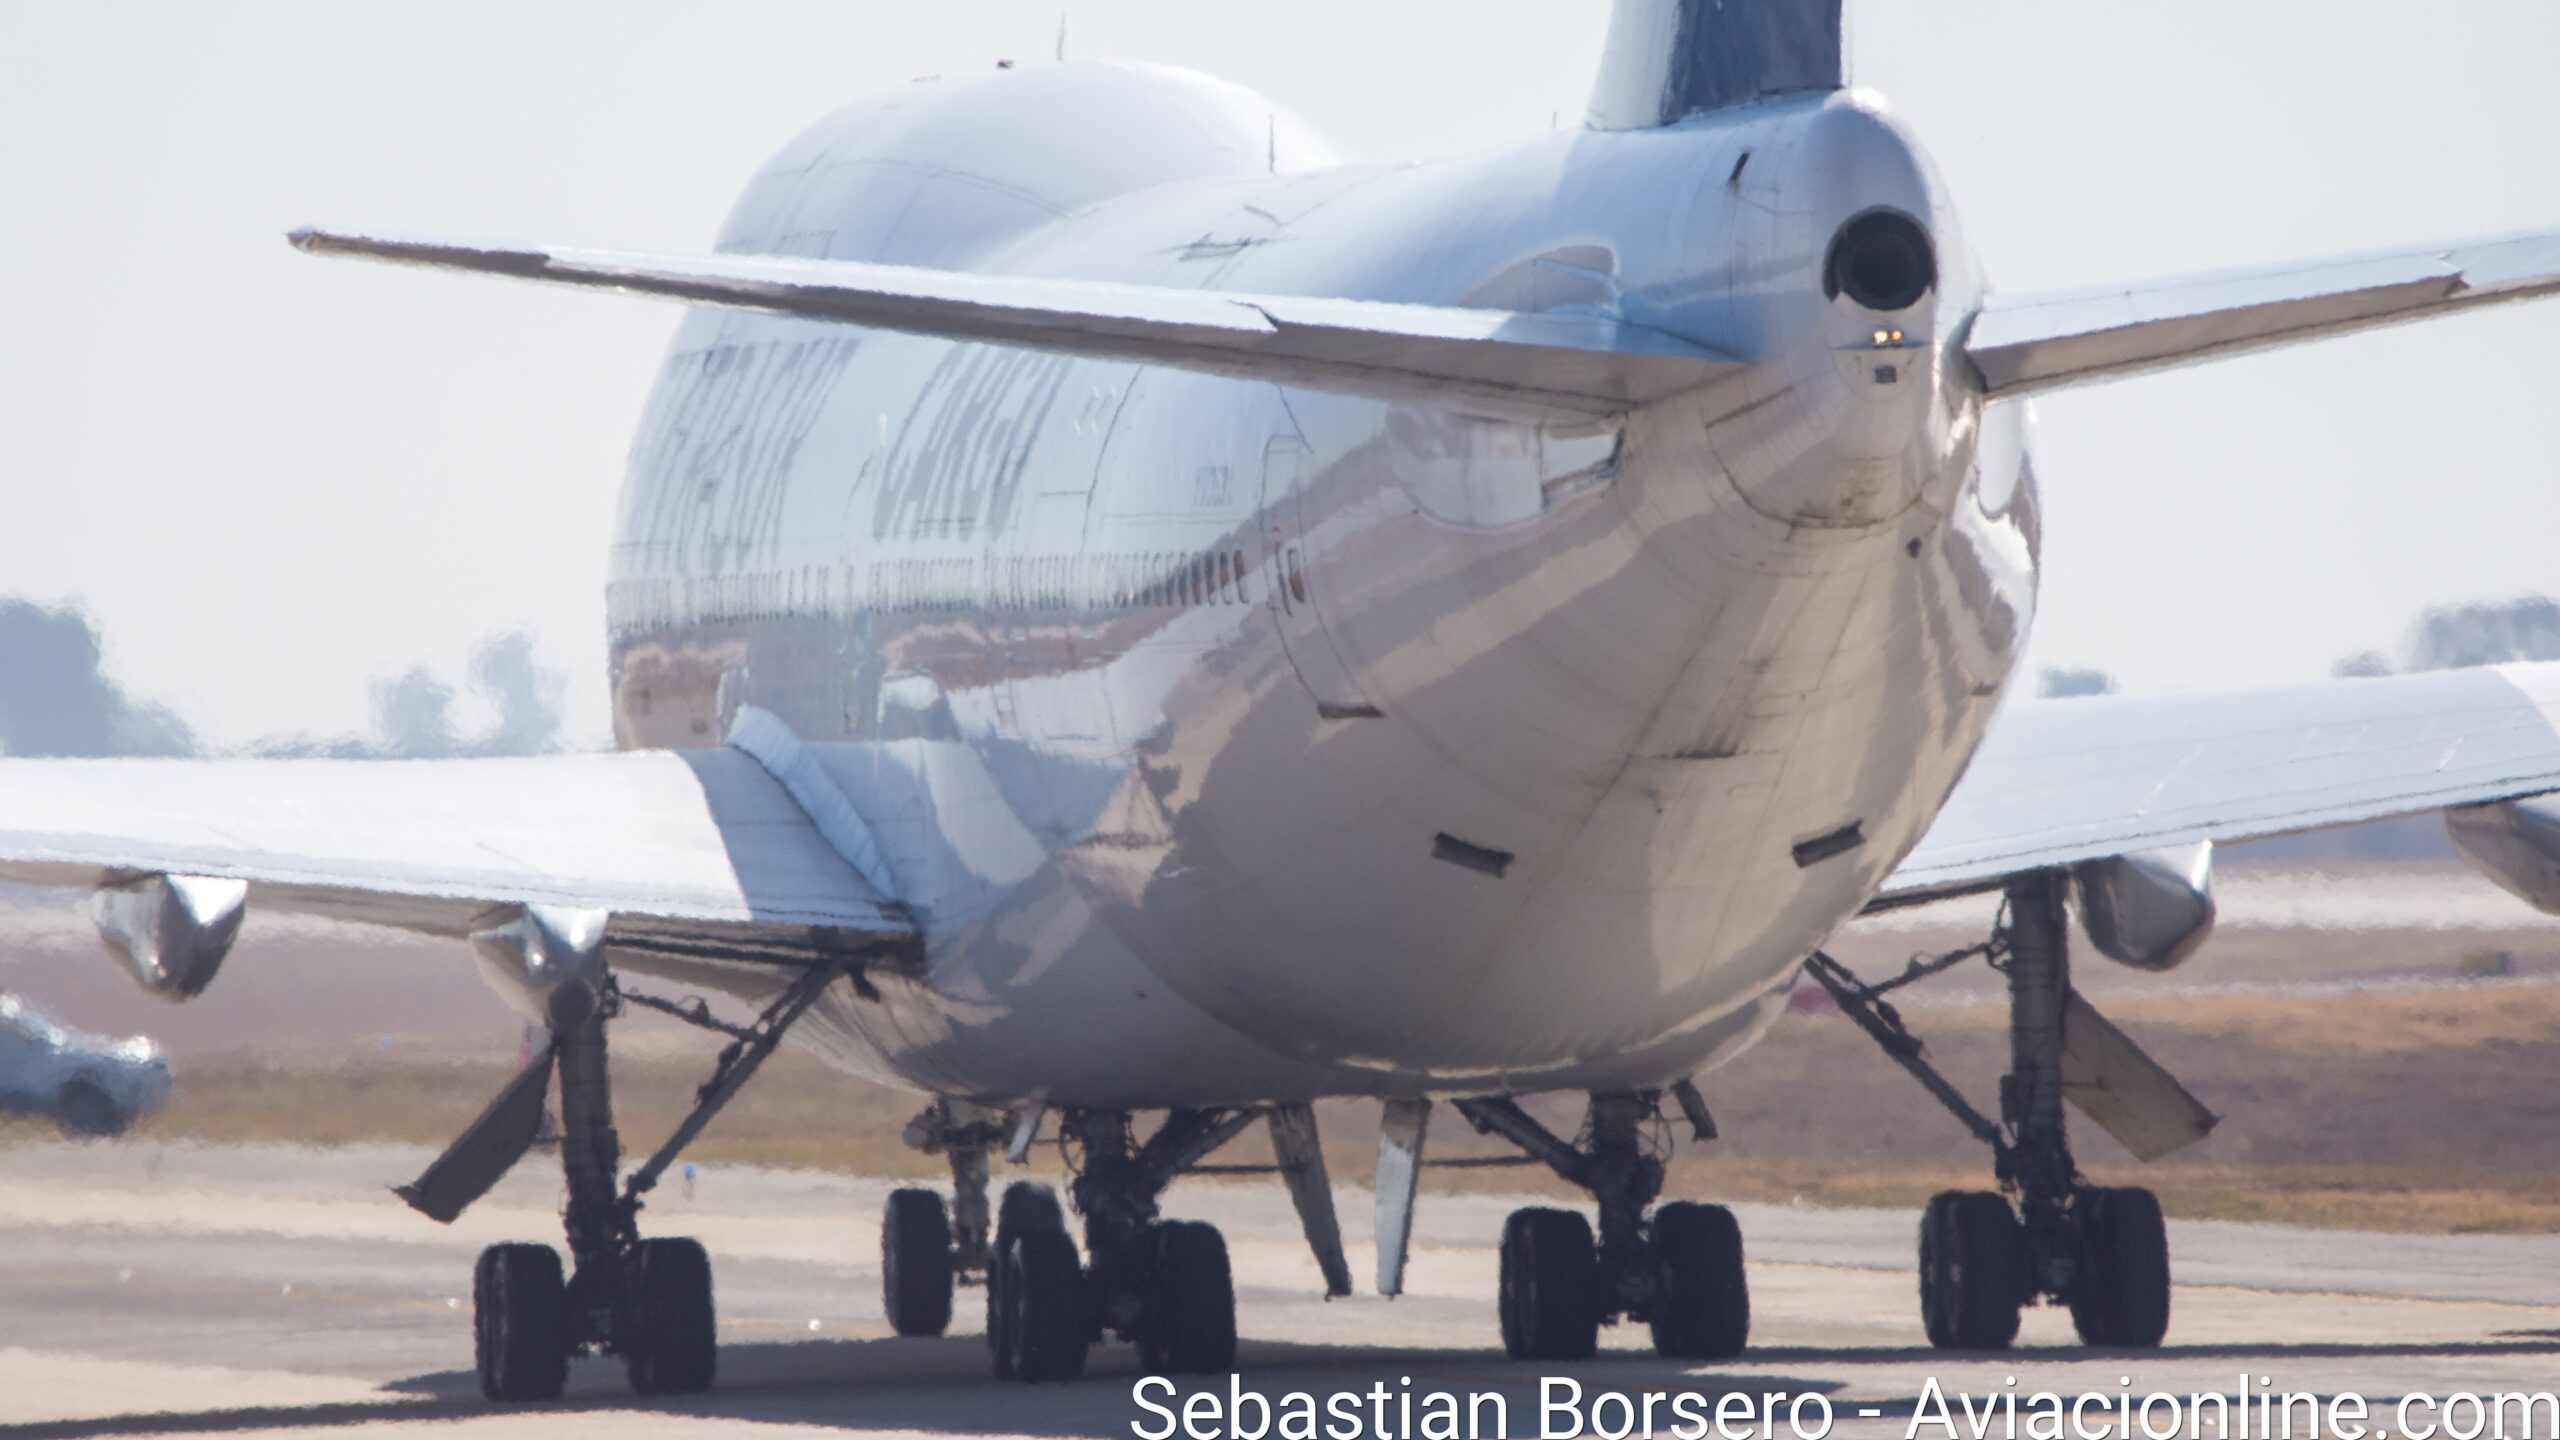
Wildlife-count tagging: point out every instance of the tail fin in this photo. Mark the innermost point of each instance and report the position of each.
(1670, 59)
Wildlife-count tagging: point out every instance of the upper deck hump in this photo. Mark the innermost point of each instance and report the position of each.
(942, 172)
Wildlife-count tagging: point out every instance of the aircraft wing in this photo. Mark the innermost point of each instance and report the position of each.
(2030, 344)
(664, 840)
(2061, 781)
(1538, 367)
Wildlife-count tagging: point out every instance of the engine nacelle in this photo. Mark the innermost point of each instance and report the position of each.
(546, 962)
(171, 931)
(2516, 843)
(2151, 909)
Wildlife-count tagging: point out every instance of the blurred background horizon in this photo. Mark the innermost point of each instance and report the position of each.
(273, 482)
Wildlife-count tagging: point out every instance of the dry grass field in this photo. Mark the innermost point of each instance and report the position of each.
(2423, 1111)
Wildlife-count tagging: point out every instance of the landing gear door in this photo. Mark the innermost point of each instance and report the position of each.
(1286, 475)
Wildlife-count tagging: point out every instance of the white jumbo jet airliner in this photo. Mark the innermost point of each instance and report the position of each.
(1116, 611)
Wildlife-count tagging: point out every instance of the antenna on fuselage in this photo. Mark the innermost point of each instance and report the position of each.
(1062, 37)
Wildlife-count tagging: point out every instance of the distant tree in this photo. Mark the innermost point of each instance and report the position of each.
(413, 711)
(2366, 666)
(528, 697)
(56, 698)
(2064, 684)
(2455, 636)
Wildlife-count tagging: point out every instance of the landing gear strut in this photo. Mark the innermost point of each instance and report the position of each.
(646, 1301)
(2046, 1235)
(1162, 1283)
(1679, 1270)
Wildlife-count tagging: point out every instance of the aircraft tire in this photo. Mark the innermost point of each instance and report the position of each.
(1550, 1297)
(1026, 1205)
(1191, 1301)
(1973, 1270)
(675, 1345)
(2120, 1296)
(1043, 1328)
(519, 1323)
(1702, 1302)
(916, 1276)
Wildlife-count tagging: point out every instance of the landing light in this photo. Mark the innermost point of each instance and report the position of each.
(1888, 337)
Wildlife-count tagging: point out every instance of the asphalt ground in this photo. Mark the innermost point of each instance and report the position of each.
(169, 1289)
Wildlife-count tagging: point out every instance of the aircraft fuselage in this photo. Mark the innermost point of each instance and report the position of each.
(1244, 743)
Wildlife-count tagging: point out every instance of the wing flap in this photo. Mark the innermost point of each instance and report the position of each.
(1543, 367)
(2032, 344)
(2062, 781)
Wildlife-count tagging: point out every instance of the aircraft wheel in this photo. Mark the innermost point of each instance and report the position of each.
(520, 1323)
(1550, 1286)
(915, 1263)
(2120, 1297)
(674, 1345)
(1042, 1328)
(1973, 1270)
(1191, 1302)
(1027, 1205)
(1702, 1303)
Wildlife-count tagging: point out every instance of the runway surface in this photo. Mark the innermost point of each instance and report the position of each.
(150, 1289)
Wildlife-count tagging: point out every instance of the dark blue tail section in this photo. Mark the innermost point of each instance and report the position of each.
(1668, 59)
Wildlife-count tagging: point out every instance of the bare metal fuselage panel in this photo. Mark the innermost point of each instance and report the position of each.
(1234, 741)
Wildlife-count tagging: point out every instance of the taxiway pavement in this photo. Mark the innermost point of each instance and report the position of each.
(160, 1289)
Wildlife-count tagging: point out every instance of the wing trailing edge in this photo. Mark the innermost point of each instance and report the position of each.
(1548, 367)
(2030, 344)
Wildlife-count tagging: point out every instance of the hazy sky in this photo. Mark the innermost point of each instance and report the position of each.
(273, 478)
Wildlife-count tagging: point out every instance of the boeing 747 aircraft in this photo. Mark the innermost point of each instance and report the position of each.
(1127, 625)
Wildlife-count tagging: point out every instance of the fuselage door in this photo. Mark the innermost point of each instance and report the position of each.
(1286, 478)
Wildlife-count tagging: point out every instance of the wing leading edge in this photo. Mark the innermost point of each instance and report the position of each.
(2058, 782)
(1551, 366)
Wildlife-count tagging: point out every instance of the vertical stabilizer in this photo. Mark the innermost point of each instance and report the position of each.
(1668, 59)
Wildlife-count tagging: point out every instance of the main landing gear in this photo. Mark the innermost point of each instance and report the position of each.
(2046, 1234)
(645, 1301)
(1678, 1269)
